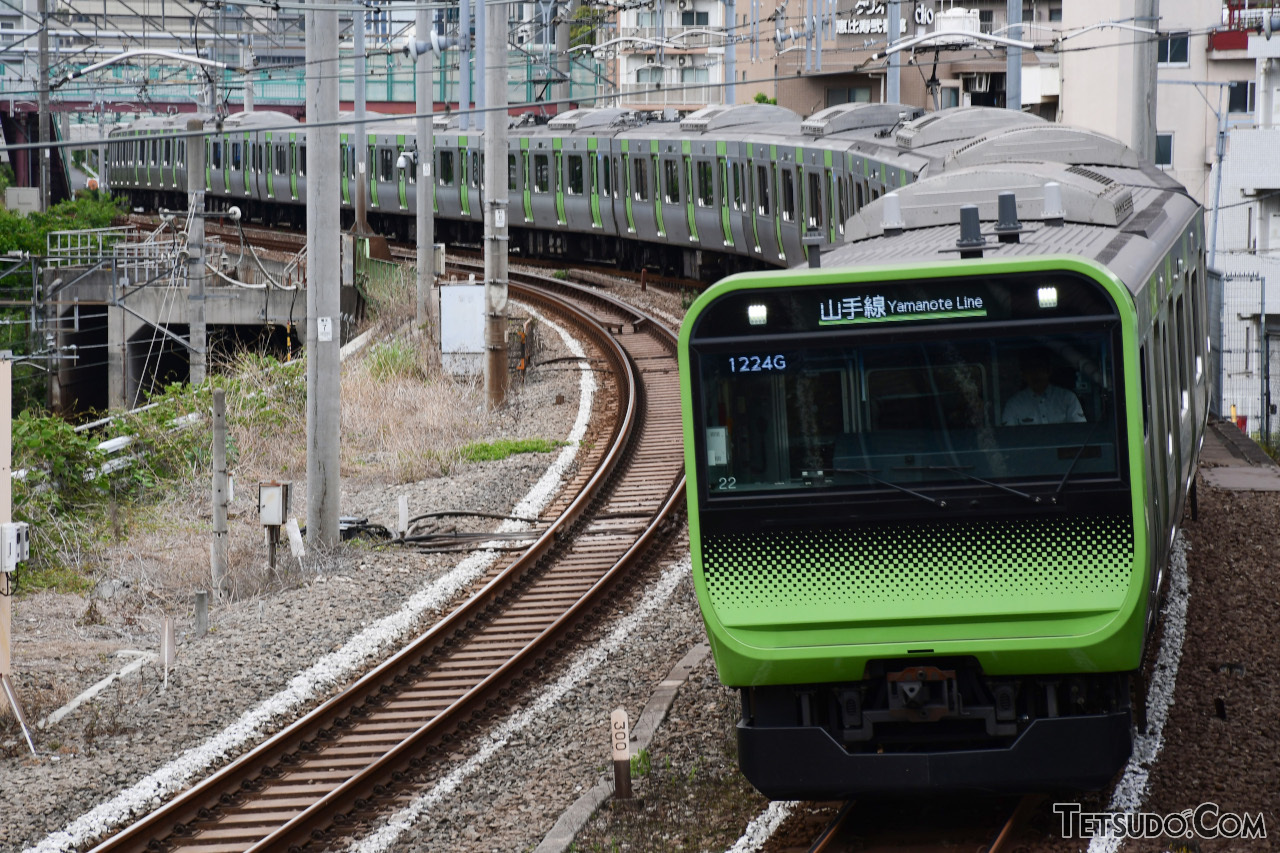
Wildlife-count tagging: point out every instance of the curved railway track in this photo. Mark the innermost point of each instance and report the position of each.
(962, 826)
(331, 772)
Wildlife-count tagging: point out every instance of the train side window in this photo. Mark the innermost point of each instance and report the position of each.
(524, 171)
(387, 162)
(1181, 355)
(737, 186)
(1146, 392)
(302, 160)
(575, 174)
(641, 184)
(282, 161)
(788, 195)
(606, 177)
(842, 202)
(477, 169)
(512, 174)
(541, 173)
(816, 219)
(445, 169)
(168, 152)
(671, 172)
(235, 155)
(706, 187)
(762, 191)
(1197, 326)
(216, 159)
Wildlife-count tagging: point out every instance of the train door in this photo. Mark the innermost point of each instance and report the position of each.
(737, 198)
(542, 200)
(558, 175)
(674, 191)
(462, 178)
(789, 203)
(641, 209)
(526, 186)
(577, 202)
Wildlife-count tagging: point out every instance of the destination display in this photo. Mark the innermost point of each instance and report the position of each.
(878, 308)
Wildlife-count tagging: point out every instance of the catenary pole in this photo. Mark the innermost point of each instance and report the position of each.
(1013, 58)
(42, 107)
(425, 303)
(324, 260)
(198, 352)
(495, 207)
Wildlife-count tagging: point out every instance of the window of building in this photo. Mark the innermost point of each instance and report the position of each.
(986, 19)
(649, 74)
(1055, 14)
(671, 184)
(837, 95)
(695, 19)
(949, 96)
(1164, 149)
(1240, 97)
(706, 188)
(646, 19)
(694, 75)
(1173, 49)
(575, 174)
(541, 173)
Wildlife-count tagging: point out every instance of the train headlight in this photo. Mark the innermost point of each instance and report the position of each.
(757, 315)
(1048, 297)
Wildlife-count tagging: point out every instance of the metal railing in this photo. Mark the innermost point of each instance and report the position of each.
(85, 247)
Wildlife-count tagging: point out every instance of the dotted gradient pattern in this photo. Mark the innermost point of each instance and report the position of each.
(922, 564)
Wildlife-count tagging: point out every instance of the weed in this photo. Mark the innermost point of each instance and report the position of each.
(492, 451)
(641, 764)
(397, 358)
(563, 275)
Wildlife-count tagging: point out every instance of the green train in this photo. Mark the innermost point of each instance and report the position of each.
(934, 484)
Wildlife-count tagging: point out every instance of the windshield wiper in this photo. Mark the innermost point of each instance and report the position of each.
(869, 473)
(1035, 499)
(1083, 446)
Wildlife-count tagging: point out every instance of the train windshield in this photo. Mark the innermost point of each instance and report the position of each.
(911, 410)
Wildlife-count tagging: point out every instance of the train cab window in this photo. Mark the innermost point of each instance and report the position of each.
(813, 201)
(574, 186)
(445, 169)
(387, 163)
(235, 155)
(671, 182)
(641, 184)
(706, 187)
(788, 195)
(512, 174)
(541, 173)
(216, 158)
(762, 191)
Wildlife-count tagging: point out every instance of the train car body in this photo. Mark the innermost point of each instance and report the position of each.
(725, 189)
(933, 485)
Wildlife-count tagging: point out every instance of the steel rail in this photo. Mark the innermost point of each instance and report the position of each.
(181, 815)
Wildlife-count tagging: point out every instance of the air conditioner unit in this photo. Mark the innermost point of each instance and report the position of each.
(979, 83)
(649, 60)
(685, 4)
(684, 60)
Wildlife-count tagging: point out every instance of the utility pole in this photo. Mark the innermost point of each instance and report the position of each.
(358, 24)
(218, 548)
(324, 262)
(564, 18)
(730, 54)
(1013, 58)
(1146, 13)
(894, 93)
(425, 303)
(495, 207)
(246, 62)
(42, 108)
(198, 353)
(464, 64)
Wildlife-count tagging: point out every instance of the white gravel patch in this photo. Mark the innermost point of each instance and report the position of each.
(388, 836)
(335, 668)
(1133, 786)
(762, 828)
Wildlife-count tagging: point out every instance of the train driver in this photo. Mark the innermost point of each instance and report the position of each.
(1040, 402)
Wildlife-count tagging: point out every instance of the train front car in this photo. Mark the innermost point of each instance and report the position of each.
(925, 519)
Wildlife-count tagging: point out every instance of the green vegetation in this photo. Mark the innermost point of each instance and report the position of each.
(396, 358)
(27, 234)
(641, 764)
(491, 451)
(762, 98)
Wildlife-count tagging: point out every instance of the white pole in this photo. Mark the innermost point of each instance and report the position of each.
(495, 207)
(324, 263)
(425, 303)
